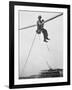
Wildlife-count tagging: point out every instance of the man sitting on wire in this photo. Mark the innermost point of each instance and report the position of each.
(40, 28)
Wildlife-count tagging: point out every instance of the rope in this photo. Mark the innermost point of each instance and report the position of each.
(47, 61)
(47, 47)
(39, 37)
(30, 50)
(44, 21)
(48, 50)
(48, 65)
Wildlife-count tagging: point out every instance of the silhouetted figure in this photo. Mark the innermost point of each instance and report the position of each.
(40, 28)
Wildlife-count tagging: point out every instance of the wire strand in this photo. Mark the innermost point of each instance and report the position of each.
(30, 50)
(47, 61)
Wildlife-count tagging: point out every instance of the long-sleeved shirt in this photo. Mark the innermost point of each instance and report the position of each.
(39, 25)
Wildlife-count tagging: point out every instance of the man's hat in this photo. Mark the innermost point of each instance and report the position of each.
(39, 17)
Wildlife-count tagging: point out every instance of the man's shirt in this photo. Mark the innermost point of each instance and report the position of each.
(39, 25)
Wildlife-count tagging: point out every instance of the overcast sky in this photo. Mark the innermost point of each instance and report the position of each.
(40, 55)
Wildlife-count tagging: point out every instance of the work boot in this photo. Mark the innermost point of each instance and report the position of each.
(45, 40)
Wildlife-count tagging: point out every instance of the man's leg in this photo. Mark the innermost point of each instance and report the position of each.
(44, 34)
